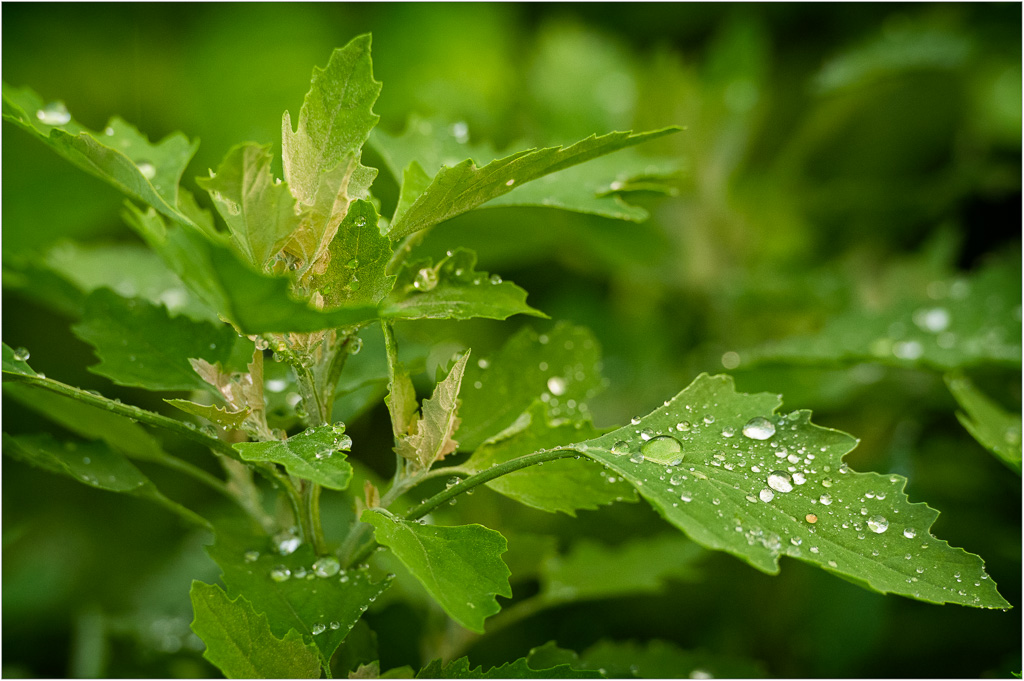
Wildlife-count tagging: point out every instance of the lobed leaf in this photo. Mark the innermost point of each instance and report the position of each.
(561, 485)
(460, 185)
(460, 567)
(334, 122)
(648, 660)
(966, 322)
(356, 272)
(316, 454)
(431, 435)
(120, 156)
(561, 368)
(735, 476)
(519, 669)
(240, 643)
(219, 415)
(260, 214)
(140, 345)
(995, 429)
(289, 588)
(454, 289)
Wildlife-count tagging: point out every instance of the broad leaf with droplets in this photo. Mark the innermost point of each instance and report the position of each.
(220, 415)
(356, 272)
(996, 429)
(240, 643)
(317, 454)
(649, 660)
(963, 322)
(736, 476)
(121, 155)
(562, 368)
(140, 345)
(460, 566)
(464, 186)
(259, 213)
(561, 485)
(454, 289)
(295, 588)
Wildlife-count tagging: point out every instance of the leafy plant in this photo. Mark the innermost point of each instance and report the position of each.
(304, 270)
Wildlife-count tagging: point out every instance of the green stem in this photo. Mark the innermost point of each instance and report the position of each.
(311, 503)
(186, 514)
(198, 474)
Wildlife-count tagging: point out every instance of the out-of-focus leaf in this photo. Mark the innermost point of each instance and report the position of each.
(463, 187)
(519, 669)
(359, 255)
(259, 213)
(561, 368)
(965, 322)
(239, 640)
(140, 345)
(996, 429)
(460, 567)
(454, 289)
(658, 660)
(316, 454)
(562, 485)
(733, 475)
(121, 155)
(289, 588)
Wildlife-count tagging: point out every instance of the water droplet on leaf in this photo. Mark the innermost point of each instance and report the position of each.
(780, 481)
(280, 573)
(54, 113)
(22, 354)
(663, 449)
(328, 566)
(759, 428)
(878, 524)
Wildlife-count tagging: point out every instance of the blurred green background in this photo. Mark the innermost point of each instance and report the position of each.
(835, 154)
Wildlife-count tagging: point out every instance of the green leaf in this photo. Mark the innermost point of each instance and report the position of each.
(88, 421)
(562, 485)
(995, 429)
(594, 187)
(260, 214)
(431, 437)
(664, 660)
(121, 155)
(298, 598)
(464, 186)
(453, 289)
(561, 368)
(964, 322)
(519, 669)
(240, 643)
(92, 463)
(359, 254)
(334, 122)
(592, 571)
(316, 454)
(219, 415)
(140, 345)
(16, 361)
(255, 303)
(460, 567)
(742, 479)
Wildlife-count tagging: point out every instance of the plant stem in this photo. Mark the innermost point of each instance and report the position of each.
(311, 503)
(186, 514)
(196, 473)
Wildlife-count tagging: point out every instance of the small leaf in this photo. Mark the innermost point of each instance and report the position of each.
(760, 485)
(334, 122)
(432, 439)
(562, 365)
(121, 155)
(414, 182)
(16, 362)
(289, 591)
(460, 566)
(138, 344)
(240, 643)
(453, 289)
(356, 272)
(996, 430)
(316, 454)
(455, 190)
(260, 214)
(563, 485)
(219, 415)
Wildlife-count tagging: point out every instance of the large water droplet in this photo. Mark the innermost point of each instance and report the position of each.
(286, 543)
(621, 448)
(556, 385)
(878, 524)
(318, 628)
(825, 499)
(662, 449)
(22, 354)
(426, 280)
(280, 573)
(252, 556)
(910, 533)
(54, 113)
(636, 457)
(646, 434)
(759, 428)
(328, 566)
(780, 481)
(683, 426)
(766, 495)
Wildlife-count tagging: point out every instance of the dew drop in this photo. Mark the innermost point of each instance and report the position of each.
(825, 499)
(360, 221)
(328, 566)
(709, 419)
(495, 279)
(556, 385)
(759, 428)
(646, 434)
(54, 113)
(280, 573)
(510, 183)
(685, 498)
(766, 495)
(148, 171)
(318, 628)
(662, 449)
(933, 320)
(22, 354)
(621, 448)
(728, 432)
(683, 426)
(909, 533)
(635, 420)
(878, 524)
(335, 625)
(355, 345)
(425, 280)
(636, 457)
(780, 481)
(811, 518)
